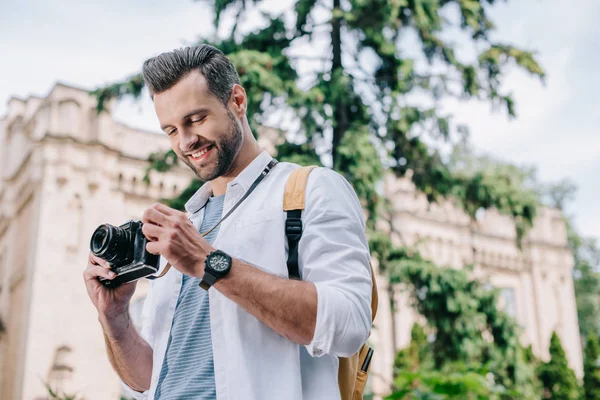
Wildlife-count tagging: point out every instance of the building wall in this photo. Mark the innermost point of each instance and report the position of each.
(65, 170)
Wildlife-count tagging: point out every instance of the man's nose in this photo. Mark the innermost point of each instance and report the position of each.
(187, 140)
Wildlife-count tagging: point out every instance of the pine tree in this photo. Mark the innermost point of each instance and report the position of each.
(559, 381)
(591, 369)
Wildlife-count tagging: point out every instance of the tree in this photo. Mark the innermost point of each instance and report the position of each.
(417, 355)
(586, 279)
(416, 378)
(586, 257)
(442, 385)
(358, 106)
(591, 369)
(470, 333)
(558, 379)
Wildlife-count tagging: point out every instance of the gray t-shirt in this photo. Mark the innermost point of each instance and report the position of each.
(188, 370)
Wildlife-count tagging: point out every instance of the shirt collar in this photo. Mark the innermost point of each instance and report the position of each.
(244, 180)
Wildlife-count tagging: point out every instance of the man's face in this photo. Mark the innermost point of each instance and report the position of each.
(203, 132)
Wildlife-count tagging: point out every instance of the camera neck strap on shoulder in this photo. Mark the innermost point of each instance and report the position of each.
(262, 176)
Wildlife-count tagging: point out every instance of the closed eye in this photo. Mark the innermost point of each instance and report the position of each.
(197, 120)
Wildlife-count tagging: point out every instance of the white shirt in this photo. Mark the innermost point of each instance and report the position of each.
(252, 361)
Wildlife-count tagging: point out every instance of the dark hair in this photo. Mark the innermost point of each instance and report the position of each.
(165, 70)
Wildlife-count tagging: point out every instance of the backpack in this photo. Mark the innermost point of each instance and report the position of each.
(353, 371)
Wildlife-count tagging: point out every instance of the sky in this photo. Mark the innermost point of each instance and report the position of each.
(557, 128)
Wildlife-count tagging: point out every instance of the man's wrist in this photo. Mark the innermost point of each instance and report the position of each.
(115, 325)
(199, 267)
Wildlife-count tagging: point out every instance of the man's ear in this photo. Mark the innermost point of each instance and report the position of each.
(238, 100)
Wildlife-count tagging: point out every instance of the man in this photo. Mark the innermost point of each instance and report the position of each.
(229, 324)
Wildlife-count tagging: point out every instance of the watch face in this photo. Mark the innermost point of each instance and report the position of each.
(219, 262)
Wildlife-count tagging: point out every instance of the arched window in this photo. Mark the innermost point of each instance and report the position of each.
(61, 370)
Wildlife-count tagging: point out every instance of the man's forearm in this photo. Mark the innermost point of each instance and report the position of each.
(129, 354)
(289, 307)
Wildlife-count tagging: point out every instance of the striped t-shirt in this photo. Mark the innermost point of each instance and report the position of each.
(188, 370)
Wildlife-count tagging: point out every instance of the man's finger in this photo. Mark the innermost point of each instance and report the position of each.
(153, 248)
(153, 216)
(98, 261)
(165, 209)
(151, 231)
(94, 271)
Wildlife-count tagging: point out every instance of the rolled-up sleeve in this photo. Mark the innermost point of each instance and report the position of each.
(334, 255)
(132, 394)
(146, 329)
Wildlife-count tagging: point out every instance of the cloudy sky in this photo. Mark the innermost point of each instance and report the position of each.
(558, 124)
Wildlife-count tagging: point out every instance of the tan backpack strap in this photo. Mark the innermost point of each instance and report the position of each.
(374, 295)
(293, 205)
(293, 197)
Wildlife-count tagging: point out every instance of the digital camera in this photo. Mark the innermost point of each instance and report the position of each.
(124, 248)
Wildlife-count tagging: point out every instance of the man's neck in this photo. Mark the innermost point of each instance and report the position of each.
(243, 159)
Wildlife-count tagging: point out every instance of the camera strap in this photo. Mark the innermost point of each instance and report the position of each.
(262, 176)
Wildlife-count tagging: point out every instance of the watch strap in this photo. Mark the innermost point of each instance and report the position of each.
(207, 280)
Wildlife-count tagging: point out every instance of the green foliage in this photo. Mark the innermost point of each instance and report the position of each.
(417, 355)
(57, 395)
(160, 162)
(132, 86)
(303, 154)
(429, 385)
(586, 282)
(591, 369)
(468, 328)
(359, 162)
(416, 378)
(557, 378)
(178, 202)
(362, 120)
(586, 257)
(486, 182)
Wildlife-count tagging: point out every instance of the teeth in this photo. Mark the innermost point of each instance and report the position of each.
(200, 153)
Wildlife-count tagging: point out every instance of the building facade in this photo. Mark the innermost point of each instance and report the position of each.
(64, 170)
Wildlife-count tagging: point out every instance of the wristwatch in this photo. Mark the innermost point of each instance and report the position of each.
(217, 265)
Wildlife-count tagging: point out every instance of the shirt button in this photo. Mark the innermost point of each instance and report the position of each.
(318, 352)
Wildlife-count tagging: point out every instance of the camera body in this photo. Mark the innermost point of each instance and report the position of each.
(124, 248)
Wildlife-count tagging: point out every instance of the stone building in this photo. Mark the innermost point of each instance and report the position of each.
(64, 170)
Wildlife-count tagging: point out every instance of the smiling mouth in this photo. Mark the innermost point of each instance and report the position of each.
(199, 155)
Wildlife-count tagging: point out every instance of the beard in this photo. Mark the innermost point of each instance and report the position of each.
(226, 148)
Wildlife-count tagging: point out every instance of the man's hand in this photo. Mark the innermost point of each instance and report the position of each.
(129, 354)
(110, 302)
(173, 236)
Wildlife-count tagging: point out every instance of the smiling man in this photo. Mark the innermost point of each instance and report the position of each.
(226, 322)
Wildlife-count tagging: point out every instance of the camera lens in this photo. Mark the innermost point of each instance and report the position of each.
(110, 243)
(99, 239)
